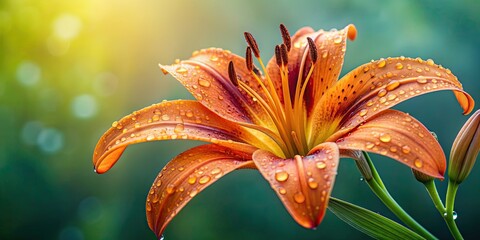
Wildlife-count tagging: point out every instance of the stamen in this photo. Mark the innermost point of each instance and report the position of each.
(252, 43)
(278, 55)
(249, 60)
(284, 53)
(286, 37)
(313, 50)
(297, 142)
(232, 74)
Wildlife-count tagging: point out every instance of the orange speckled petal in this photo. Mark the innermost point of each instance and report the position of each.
(381, 84)
(206, 76)
(399, 136)
(303, 184)
(331, 46)
(181, 119)
(186, 176)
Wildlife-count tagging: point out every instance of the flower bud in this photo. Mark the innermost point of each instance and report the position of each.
(465, 149)
(422, 177)
(360, 161)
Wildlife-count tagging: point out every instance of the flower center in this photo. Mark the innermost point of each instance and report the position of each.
(286, 108)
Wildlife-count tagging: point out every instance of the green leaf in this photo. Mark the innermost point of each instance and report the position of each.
(368, 222)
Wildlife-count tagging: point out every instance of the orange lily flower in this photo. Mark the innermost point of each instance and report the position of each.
(292, 123)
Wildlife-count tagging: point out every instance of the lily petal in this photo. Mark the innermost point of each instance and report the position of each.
(181, 119)
(303, 184)
(205, 75)
(186, 176)
(382, 84)
(399, 136)
(331, 46)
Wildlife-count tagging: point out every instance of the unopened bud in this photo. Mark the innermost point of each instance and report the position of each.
(422, 177)
(465, 149)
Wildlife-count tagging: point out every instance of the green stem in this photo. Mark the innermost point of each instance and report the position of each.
(432, 191)
(450, 201)
(377, 186)
(398, 210)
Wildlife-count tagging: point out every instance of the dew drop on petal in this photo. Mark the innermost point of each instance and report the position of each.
(204, 179)
(382, 92)
(421, 80)
(299, 197)
(192, 179)
(369, 145)
(282, 190)
(179, 128)
(150, 137)
(281, 176)
(385, 137)
(399, 66)
(381, 63)
(363, 112)
(392, 85)
(170, 188)
(312, 184)
(406, 149)
(321, 165)
(181, 70)
(418, 163)
(204, 83)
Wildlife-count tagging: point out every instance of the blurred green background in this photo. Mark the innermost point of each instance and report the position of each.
(68, 69)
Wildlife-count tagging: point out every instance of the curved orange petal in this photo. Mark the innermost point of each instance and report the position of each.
(181, 119)
(331, 46)
(303, 184)
(399, 136)
(206, 76)
(381, 84)
(186, 176)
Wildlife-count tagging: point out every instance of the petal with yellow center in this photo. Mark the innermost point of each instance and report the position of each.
(381, 84)
(185, 177)
(399, 136)
(331, 46)
(303, 184)
(206, 76)
(181, 119)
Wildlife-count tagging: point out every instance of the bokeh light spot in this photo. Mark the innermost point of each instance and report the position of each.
(50, 140)
(30, 132)
(84, 106)
(28, 73)
(67, 26)
(90, 210)
(71, 233)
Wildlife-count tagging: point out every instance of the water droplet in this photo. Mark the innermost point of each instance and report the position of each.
(391, 97)
(362, 179)
(321, 165)
(281, 176)
(393, 149)
(382, 92)
(392, 85)
(312, 184)
(299, 197)
(369, 145)
(418, 163)
(204, 83)
(381, 63)
(421, 79)
(181, 70)
(159, 183)
(170, 188)
(282, 190)
(213, 58)
(179, 128)
(399, 66)
(382, 99)
(455, 215)
(165, 117)
(115, 124)
(150, 137)
(363, 112)
(338, 39)
(406, 149)
(192, 179)
(193, 193)
(149, 207)
(365, 69)
(204, 179)
(385, 137)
